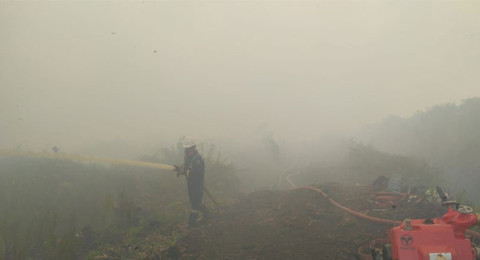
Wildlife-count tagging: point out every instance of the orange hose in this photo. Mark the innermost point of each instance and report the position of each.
(385, 221)
(336, 204)
(358, 214)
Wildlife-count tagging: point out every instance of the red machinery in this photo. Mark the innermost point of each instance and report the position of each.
(433, 239)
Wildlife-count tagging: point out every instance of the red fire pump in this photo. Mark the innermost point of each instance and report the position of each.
(433, 239)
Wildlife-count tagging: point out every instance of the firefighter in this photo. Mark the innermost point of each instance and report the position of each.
(194, 170)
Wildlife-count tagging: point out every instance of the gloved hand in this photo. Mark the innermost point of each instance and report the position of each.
(179, 170)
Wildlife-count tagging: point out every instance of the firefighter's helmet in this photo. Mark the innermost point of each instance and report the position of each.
(189, 143)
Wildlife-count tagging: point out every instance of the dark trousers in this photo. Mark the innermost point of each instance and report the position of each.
(195, 195)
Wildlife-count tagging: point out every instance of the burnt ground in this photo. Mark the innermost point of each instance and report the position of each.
(295, 224)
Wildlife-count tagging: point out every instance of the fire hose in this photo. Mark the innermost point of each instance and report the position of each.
(355, 213)
(338, 205)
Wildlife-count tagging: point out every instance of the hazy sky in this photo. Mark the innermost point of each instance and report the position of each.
(75, 72)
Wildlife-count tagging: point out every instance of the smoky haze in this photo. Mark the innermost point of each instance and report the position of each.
(145, 72)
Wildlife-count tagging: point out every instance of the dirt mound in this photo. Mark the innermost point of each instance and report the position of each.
(295, 224)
